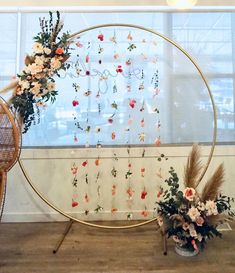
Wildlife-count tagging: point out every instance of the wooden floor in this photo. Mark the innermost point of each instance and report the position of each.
(28, 248)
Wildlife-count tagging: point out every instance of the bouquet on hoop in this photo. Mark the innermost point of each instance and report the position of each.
(35, 84)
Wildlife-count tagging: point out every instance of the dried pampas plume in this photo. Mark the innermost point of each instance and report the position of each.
(211, 189)
(193, 168)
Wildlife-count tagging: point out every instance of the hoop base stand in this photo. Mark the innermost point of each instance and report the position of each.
(70, 223)
(66, 231)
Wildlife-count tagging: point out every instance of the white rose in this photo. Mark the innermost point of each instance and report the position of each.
(37, 48)
(51, 86)
(47, 50)
(39, 60)
(36, 88)
(193, 233)
(33, 69)
(55, 63)
(24, 84)
(211, 208)
(193, 213)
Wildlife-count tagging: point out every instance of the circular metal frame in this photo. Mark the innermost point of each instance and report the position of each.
(214, 129)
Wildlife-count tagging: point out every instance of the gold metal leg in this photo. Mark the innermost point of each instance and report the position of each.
(67, 229)
(164, 240)
(164, 244)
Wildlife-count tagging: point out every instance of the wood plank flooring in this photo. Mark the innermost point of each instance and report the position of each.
(28, 248)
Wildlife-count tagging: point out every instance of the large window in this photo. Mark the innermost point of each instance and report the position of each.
(186, 110)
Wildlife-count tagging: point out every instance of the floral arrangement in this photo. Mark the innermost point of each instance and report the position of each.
(190, 217)
(35, 84)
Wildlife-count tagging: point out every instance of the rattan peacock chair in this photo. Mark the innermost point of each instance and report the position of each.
(10, 146)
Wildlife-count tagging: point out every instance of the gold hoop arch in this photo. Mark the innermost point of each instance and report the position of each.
(213, 140)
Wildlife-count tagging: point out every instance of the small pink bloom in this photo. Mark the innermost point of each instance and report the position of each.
(74, 203)
(132, 103)
(113, 210)
(116, 56)
(158, 141)
(113, 135)
(142, 123)
(78, 44)
(84, 163)
(119, 69)
(101, 37)
(145, 213)
(143, 194)
(75, 103)
(194, 244)
(97, 162)
(130, 192)
(110, 120)
(87, 58)
(113, 189)
(129, 37)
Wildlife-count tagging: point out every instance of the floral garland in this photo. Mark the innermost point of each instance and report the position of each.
(36, 85)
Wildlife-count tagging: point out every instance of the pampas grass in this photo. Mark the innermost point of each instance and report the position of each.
(193, 168)
(192, 173)
(212, 187)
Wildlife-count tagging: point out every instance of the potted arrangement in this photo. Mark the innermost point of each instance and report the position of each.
(190, 217)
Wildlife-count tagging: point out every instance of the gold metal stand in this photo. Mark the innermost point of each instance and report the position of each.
(73, 219)
(66, 231)
(70, 223)
(164, 241)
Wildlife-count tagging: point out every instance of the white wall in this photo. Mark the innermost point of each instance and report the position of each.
(53, 178)
(107, 2)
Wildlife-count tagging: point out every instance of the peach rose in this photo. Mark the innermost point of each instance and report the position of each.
(189, 193)
(59, 51)
(193, 213)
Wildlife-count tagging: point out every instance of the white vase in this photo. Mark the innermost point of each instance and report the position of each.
(184, 251)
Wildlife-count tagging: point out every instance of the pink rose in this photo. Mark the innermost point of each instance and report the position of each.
(189, 193)
(199, 221)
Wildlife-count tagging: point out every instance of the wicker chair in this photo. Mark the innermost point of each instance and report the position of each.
(10, 144)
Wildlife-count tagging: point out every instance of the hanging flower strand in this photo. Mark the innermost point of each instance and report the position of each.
(74, 171)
